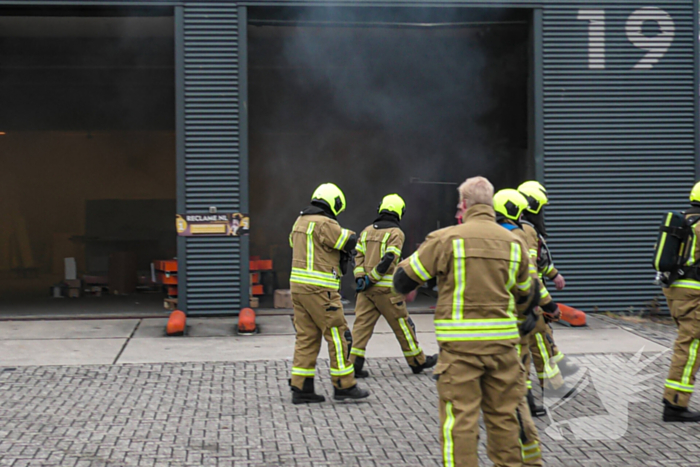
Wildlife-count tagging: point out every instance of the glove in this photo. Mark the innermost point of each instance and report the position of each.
(385, 263)
(347, 261)
(363, 283)
(527, 326)
(552, 316)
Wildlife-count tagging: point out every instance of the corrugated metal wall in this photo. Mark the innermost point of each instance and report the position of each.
(619, 141)
(213, 275)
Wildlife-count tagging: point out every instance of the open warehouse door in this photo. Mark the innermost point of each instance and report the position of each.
(381, 100)
(87, 143)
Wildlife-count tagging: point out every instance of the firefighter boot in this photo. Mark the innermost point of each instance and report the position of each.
(535, 410)
(676, 413)
(566, 367)
(359, 372)
(430, 362)
(349, 393)
(306, 394)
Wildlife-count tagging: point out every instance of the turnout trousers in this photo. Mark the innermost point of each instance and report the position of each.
(377, 302)
(492, 384)
(684, 362)
(318, 316)
(529, 436)
(545, 355)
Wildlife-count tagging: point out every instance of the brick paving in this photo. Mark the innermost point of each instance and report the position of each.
(240, 414)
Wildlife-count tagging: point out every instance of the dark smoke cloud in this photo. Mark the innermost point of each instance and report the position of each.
(371, 108)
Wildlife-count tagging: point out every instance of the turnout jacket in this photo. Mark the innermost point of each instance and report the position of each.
(482, 273)
(373, 244)
(316, 241)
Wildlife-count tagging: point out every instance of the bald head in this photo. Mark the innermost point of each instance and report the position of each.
(476, 190)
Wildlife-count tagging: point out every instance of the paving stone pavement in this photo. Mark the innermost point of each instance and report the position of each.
(240, 414)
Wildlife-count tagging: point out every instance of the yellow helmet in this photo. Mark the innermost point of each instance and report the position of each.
(536, 195)
(695, 193)
(393, 203)
(330, 194)
(511, 203)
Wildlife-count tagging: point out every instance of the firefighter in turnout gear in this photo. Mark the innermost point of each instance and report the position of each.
(483, 280)
(683, 297)
(378, 252)
(549, 361)
(509, 205)
(322, 251)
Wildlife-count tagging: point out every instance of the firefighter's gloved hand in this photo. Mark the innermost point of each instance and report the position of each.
(347, 261)
(385, 263)
(552, 315)
(363, 283)
(527, 326)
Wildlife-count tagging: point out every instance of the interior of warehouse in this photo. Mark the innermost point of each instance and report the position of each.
(87, 150)
(381, 100)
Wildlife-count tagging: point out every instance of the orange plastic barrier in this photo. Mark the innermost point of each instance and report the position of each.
(571, 315)
(246, 321)
(176, 323)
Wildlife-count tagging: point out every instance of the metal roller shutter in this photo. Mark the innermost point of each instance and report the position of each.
(212, 153)
(619, 141)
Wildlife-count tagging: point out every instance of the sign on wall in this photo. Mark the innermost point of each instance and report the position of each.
(220, 225)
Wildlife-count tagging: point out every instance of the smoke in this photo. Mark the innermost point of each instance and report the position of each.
(372, 108)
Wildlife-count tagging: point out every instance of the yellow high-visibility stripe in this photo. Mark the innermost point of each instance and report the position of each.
(358, 352)
(418, 268)
(692, 357)
(662, 242)
(458, 252)
(691, 256)
(530, 451)
(322, 279)
(310, 247)
(677, 386)
(382, 248)
(308, 372)
(342, 370)
(549, 370)
(361, 246)
(512, 273)
(686, 284)
(409, 337)
(448, 448)
(342, 239)
(395, 250)
(358, 270)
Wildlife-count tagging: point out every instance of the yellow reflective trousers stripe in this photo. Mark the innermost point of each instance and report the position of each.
(415, 350)
(692, 357)
(448, 447)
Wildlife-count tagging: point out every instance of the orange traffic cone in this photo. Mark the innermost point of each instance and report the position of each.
(246, 321)
(572, 316)
(176, 323)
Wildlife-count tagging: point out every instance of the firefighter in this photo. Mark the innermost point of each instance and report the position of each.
(378, 252)
(509, 205)
(550, 363)
(683, 297)
(482, 277)
(321, 253)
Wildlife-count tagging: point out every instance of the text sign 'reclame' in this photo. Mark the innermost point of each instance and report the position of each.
(655, 46)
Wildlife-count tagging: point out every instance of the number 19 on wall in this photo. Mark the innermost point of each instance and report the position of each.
(656, 46)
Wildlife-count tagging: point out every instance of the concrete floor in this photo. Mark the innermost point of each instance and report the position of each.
(118, 341)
